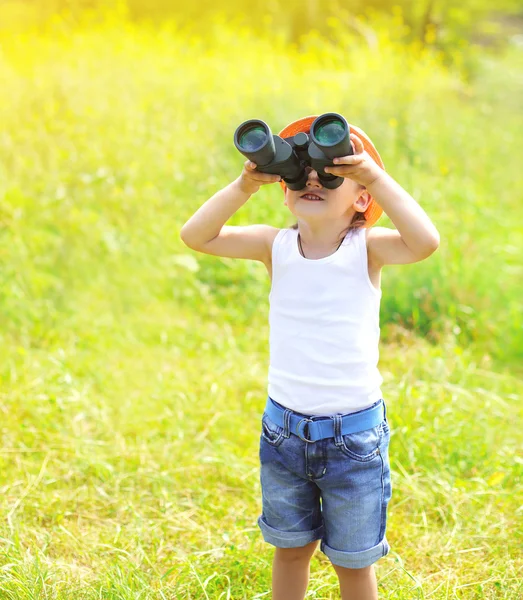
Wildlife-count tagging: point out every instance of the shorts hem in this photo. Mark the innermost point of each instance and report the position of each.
(356, 560)
(288, 539)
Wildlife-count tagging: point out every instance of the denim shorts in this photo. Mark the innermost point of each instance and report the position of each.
(335, 490)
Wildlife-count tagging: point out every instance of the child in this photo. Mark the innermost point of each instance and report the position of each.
(325, 433)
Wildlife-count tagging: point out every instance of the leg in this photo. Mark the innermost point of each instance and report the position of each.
(291, 513)
(355, 494)
(290, 572)
(357, 584)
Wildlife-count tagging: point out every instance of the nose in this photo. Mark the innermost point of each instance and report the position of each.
(312, 176)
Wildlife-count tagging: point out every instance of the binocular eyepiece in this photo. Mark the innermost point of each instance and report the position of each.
(289, 157)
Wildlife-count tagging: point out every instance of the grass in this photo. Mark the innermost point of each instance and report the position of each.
(134, 370)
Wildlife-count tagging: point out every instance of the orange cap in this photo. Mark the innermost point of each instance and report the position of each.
(374, 210)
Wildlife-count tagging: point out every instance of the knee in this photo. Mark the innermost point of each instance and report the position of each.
(293, 555)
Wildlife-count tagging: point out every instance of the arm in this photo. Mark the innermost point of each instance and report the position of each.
(415, 237)
(206, 231)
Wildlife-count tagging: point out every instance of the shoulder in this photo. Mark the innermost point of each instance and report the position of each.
(375, 233)
(271, 233)
(385, 246)
(267, 234)
(380, 244)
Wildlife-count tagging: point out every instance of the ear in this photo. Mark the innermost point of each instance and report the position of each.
(363, 201)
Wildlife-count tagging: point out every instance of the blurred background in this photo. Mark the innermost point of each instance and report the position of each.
(133, 369)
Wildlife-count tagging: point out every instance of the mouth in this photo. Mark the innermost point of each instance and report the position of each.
(312, 197)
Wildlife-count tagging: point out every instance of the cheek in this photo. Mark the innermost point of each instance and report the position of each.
(349, 189)
(346, 193)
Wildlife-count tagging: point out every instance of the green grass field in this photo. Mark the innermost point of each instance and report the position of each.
(134, 370)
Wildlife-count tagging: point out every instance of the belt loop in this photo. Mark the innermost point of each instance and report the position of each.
(337, 430)
(287, 423)
(384, 410)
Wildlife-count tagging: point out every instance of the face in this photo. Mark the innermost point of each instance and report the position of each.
(340, 203)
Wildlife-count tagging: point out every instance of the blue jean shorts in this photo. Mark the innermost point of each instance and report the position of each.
(334, 489)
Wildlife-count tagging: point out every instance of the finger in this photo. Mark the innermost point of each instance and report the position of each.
(357, 144)
(351, 159)
(251, 166)
(266, 178)
(343, 170)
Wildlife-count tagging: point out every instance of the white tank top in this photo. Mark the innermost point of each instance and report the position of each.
(324, 328)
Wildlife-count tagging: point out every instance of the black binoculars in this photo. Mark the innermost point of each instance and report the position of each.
(289, 157)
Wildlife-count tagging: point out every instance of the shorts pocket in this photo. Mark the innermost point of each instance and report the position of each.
(271, 433)
(363, 445)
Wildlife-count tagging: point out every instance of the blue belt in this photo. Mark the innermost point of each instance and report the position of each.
(319, 427)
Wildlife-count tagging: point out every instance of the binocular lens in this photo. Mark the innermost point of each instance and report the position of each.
(253, 139)
(330, 132)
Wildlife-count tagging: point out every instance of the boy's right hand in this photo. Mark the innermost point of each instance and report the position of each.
(250, 180)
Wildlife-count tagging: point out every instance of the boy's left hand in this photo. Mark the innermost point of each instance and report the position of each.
(359, 167)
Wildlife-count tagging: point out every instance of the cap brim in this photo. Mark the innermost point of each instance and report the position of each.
(374, 210)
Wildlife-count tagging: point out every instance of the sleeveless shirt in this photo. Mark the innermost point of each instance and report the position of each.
(324, 328)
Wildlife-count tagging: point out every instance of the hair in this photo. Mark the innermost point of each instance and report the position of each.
(358, 221)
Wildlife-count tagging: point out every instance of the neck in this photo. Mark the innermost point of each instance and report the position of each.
(317, 252)
(321, 237)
